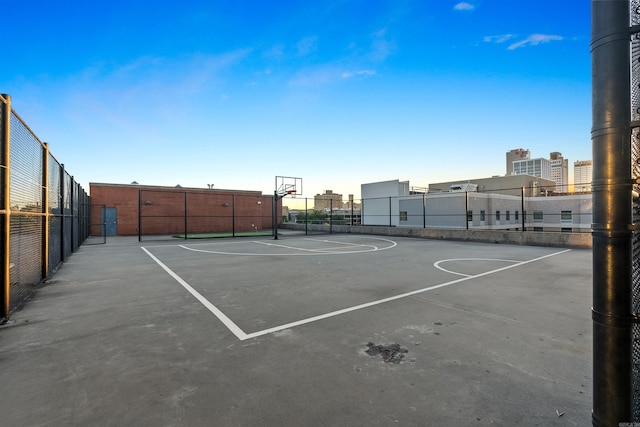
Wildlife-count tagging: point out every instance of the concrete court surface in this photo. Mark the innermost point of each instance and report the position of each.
(258, 332)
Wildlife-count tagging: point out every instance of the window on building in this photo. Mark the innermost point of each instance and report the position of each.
(566, 229)
(538, 216)
(469, 216)
(482, 216)
(507, 216)
(566, 216)
(497, 215)
(517, 212)
(537, 229)
(403, 216)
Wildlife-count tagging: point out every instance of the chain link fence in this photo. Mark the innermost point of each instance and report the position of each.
(198, 214)
(513, 209)
(44, 212)
(635, 175)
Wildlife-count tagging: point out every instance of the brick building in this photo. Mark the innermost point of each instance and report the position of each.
(133, 209)
(328, 200)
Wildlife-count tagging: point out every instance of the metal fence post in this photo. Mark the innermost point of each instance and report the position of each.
(72, 198)
(424, 210)
(612, 213)
(306, 217)
(62, 210)
(186, 225)
(330, 216)
(139, 215)
(466, 210)
(45, 211)
(5, 147)
(524, 216)
(351, 211)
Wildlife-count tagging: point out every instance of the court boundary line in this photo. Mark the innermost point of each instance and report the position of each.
(304, 251)
(230, 324)
(437, 263)
(242, 336)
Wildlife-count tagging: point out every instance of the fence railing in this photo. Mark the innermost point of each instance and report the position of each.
(502, 209)
(194, 214)
(44, 215)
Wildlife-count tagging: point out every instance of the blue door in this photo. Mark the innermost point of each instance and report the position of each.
(110, 219)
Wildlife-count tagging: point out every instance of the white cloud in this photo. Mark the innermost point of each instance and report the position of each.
(381, 48)
(364, 73)
(314, 77)
(276, 51)
(134, 97)
(534, 40)
(464, 6)
(326, 75)
(307, 45)
(499, 39)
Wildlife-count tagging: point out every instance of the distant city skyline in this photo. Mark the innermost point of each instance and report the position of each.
(339, 93)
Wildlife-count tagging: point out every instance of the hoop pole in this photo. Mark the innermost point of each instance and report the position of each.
(274, 218)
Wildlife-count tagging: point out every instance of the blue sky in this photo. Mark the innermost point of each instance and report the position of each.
(339, 93)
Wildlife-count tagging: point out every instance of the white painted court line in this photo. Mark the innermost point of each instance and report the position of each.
(324, 250)
(393, 298)
(349, 249)
(437, 263)
(297, 251)
(241, 335)
(212, 308)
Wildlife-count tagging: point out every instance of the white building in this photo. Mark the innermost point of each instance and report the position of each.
(381, 208)
(537, 167)
(559, 172)
(582, 176)
(385, 203)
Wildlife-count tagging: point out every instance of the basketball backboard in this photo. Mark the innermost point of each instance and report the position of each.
(288, 186)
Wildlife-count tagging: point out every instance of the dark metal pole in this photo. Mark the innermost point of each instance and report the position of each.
(612, 213)
(45, 210)
(186, 229)
(233, 215)
(306, 217)
(274, 218)
(72, 202)
(424, 210)
(524, 217)
(351, 211)
(63, 214)
(139, 215)
(330, 216)
(5, 138)
(466, 209)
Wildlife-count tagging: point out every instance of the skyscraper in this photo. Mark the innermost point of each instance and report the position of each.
(516, 154)
(559, 172)
(582, 175)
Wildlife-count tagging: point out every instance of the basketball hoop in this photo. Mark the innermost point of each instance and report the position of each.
(285, 186)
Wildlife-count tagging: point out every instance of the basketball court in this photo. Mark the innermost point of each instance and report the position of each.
(340, 329)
